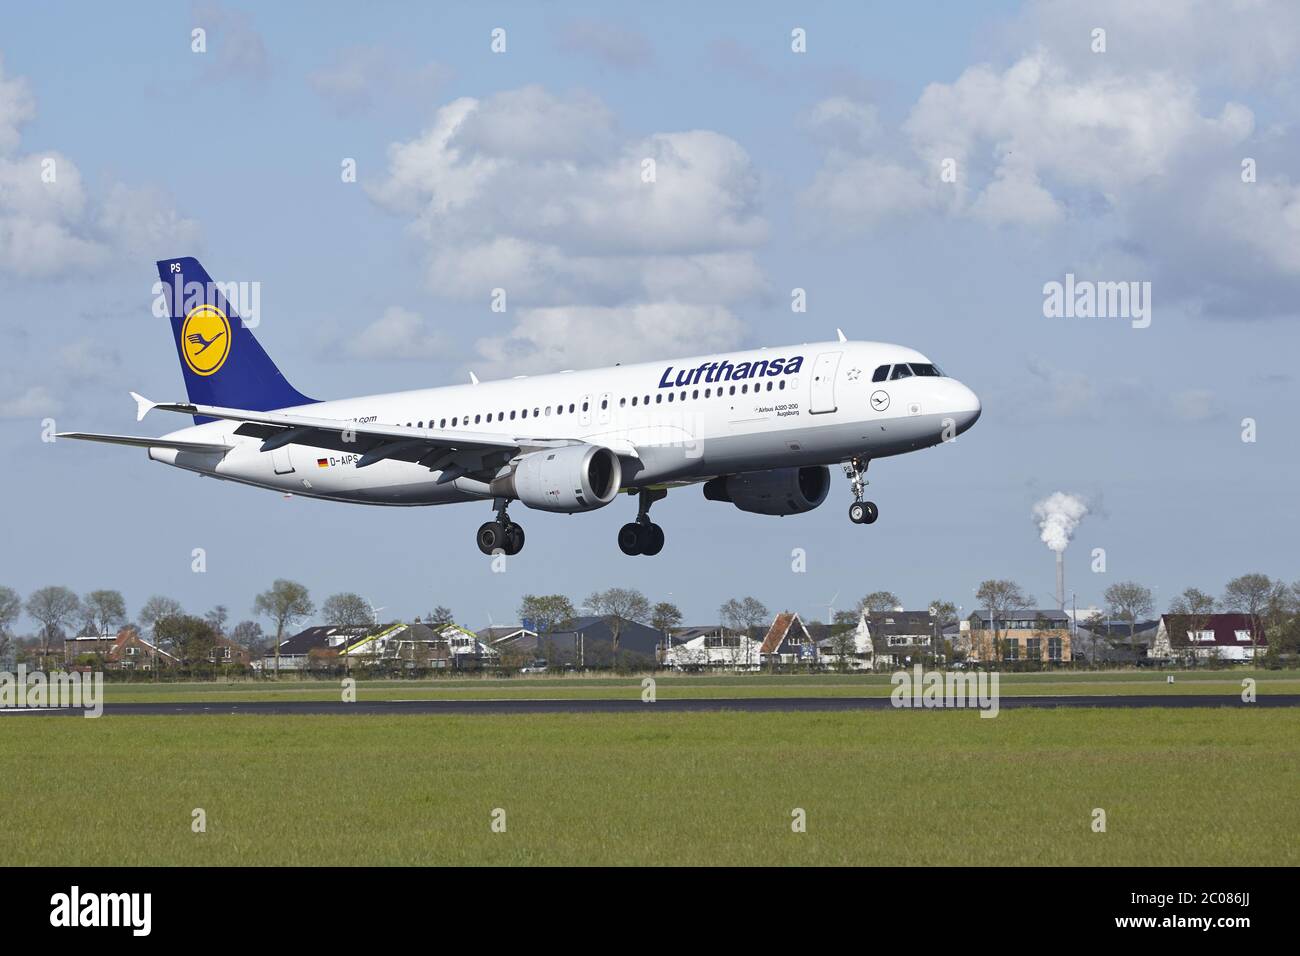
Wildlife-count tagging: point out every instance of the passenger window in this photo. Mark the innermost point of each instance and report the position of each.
(604, 404)
(584, 406)
(733, 390)
(634, 401)
(570, 408)
(512, 416)
(695, 394)
(900, 371)
(780, 386)
(670, 396)
(443, 423)
(559, 409)
(524, 413)
(453, 423)
(622, 403)
(744, 389)
(880, 374)
(548, 410)
(659, 398)
(708, 392)
(419, 424)
(536, 412)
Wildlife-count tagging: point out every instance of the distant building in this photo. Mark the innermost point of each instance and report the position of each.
(587, 642)
(1209, 637)
(787, 642)
(713, 647)
(295, 651)
(124, 651)
(416, 645)
(862, 655)
(1101, 640)
(901, 637)
(1038, 635)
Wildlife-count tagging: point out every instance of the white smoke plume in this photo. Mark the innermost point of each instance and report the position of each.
(1058, 515)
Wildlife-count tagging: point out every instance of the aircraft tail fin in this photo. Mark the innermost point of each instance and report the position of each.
(221, 361)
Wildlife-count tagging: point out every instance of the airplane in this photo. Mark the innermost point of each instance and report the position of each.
(758, 429)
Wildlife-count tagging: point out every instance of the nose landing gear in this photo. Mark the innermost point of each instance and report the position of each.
(502, 534)
(643, 536)
(860, 512)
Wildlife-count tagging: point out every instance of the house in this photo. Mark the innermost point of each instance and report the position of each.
(712, 647)
(227, 653)
(124, 651)
(900, 637)
(445, 646)
(295, 651)
(587, 642)
(1028, 635)
(1102, 640)
(1212, 637)
(787, 642)
(862, 655)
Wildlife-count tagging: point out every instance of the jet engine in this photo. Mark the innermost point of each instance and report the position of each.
(569, 479)
(780, 491)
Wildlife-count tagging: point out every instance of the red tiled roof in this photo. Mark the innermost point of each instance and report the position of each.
(777, 632)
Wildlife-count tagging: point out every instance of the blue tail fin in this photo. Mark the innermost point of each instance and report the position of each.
(221, 361)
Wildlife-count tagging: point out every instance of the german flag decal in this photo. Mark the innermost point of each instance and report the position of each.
(322, 462)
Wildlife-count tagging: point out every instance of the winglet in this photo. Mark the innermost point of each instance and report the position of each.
(473, 378)
(142, 406)
(839, 333)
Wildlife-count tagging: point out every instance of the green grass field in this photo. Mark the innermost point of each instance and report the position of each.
(1179, 786)
(702, 685)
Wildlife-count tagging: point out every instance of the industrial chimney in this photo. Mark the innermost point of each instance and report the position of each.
(1060, 580)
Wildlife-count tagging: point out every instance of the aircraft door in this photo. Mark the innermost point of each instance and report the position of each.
(602, 414)
(281, 461)
(823, 383)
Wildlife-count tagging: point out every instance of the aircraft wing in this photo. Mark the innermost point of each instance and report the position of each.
(141, 441)
(454, 453)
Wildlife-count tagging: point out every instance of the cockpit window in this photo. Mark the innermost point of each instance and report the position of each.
(880, 374)
(921, 368)
(900, 371)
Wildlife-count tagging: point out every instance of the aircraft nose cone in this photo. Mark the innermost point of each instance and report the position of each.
(967, 408)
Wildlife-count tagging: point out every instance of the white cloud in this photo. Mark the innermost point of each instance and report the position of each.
(16, 108)
(541, 195)
(359, 78)
(397, 334)
(34, 402)
(607, 42)
(51, 224)
(544, 340)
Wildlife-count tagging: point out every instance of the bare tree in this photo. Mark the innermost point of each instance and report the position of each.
(617, 606)
(1252, 594)
(1195, 608)
(548, 613)
(217, 618)
(11, 606)
(105, 610)
(54, 607)
(285, 603)
(879, 601)
(1001, 598)
(351, 612)
(1128, 601)
(743, 616)
(440, 616)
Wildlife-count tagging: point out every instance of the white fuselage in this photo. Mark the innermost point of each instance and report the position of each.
(671, 421)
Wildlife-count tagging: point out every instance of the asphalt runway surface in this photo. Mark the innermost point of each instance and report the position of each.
(634, 704)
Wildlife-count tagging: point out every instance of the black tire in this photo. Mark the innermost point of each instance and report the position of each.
(629, 539)
(857, 512)
(652, 539)
(872, 512)
(514, 539)
(491, 536)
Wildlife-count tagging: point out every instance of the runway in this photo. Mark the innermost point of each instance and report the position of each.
(634, 704)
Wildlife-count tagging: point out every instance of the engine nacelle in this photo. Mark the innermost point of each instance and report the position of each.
(569, 479)
(781, 491)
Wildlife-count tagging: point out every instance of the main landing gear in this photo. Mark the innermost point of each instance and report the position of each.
(502, 534)
(860, 512)
(643, 536)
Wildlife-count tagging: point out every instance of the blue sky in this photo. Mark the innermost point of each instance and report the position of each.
(813, 170)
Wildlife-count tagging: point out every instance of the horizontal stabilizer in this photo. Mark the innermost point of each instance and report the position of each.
(141, 441)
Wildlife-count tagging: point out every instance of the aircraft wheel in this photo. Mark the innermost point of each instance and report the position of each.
(872, 512)
(857, 511)
(629, 539)
(514, 539)
(652, 539)
(491, 536)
